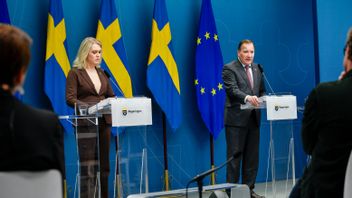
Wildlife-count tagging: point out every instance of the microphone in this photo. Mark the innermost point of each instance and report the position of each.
(199, 178)
(115, 85)
(107, 74)
(260, 67)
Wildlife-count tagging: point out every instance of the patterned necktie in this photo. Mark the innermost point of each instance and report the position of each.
(249, 76)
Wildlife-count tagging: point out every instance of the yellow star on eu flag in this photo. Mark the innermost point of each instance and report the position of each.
(202, 90)
(215, 37)
(207, 35)
(220, 86)
(213, 91)
(199, 41)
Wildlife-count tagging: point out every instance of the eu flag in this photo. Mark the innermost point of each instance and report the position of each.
(4, 14)
(57, 64)
(114, 55)
(208, 81)
(162, 74)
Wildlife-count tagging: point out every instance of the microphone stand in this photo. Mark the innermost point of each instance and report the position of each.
(112, 81)
(199, 178)
(265, 78)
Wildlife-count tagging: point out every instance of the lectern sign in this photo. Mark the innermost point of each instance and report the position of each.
(135, 111)
(283, 107)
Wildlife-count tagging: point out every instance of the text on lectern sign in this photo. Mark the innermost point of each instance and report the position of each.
(131, 111)
(283, 107)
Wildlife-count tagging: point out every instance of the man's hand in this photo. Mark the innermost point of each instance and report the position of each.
(254, 100)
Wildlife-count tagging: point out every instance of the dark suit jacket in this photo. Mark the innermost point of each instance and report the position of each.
(80, 89)
(30, 139)
(327, 136)
(237, 87)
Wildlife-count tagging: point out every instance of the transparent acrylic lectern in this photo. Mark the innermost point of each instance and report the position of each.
(129, 115)
(280, 111)
(86, 133)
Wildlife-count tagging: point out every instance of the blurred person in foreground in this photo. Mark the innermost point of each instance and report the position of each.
(86, 85)
(327, 135)
(30, 139)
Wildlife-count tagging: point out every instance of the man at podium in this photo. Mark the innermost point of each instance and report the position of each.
(243, 82)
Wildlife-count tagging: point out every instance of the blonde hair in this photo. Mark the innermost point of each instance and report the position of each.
(83, 51)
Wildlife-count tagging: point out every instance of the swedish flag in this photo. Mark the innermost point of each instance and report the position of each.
(4, 14)
(162, 74)
(57, 64)
(209, 63)
(114, 55)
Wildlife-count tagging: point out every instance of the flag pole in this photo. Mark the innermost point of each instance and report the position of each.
(65, 188)
(212, 158)
(166, 172)
(118, 189)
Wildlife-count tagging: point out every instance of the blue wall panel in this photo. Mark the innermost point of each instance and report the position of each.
(334, 20)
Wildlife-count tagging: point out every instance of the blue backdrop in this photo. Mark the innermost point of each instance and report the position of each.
(297, 41)
(334, 21)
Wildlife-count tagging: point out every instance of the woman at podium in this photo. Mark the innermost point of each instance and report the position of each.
(87, 85)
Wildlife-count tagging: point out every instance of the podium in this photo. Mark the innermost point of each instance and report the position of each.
(278, 107)
(78, 120)
(127, 112)
(123, 112)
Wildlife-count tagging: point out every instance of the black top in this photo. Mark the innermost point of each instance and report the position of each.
(327, 136)
(30, 139)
